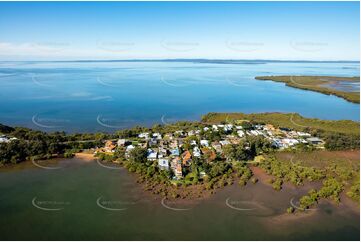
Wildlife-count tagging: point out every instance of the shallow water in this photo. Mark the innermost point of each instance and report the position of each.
(97, 203)
(345, 86)
(105, 96)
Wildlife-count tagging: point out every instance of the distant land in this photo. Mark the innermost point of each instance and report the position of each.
(197, 60)
(347, 88)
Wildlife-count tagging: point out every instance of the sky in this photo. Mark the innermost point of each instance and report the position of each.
(168, 30)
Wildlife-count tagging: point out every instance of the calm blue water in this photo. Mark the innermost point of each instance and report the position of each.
(105, 96)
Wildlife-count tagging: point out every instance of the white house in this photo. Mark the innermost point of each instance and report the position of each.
(151, 154)
(144, 135)
(204, 143)
(193, 142)
(196, 152)
(163, 163)
(240, 133)
(224, 142)
(121, 142)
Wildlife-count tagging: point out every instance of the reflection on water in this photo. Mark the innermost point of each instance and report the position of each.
(91, 202)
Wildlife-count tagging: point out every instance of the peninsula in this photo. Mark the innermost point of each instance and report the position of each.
(193, 159)
(347, 88)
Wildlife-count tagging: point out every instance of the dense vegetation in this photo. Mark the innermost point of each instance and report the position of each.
(32, 144)
(318, 84)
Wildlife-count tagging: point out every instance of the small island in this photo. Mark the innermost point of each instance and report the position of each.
(191, 160)
(347, 88)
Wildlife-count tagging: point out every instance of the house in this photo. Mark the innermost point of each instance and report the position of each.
(315, 140)
(196, 152)
(186, 158)
(235, 140)
(180, 142)
(277, 143)
(240, 133)
(151, 155)
(205, 129)
(163, 164)
(168, 136)
(202, 174)
(191, 133)
(173, 144)
(204, 143)
(214, 127)
(109, 146)
(128, 150)
(122, 142)
(224, 142)
(174, 162)
(193, 142)
(269, 127)
(303, 134)
(162, 152)
(178, 172)
(153, 142)
(4, 139)
(228, 127)
(258, 126)
(158, 136)
(144, 135)
(179, 133)
(209, 154)
(217, 147)
(176, 166)
(174, 152)
(255, 132)
(289, 142)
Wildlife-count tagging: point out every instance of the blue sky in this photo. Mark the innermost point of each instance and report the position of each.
(220, 30)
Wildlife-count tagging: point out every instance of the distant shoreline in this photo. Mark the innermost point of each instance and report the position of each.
(203, 60)
(318, 84)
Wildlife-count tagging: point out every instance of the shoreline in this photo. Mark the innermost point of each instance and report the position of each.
(314, 84)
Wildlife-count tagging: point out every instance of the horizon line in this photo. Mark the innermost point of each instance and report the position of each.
(210, 60)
